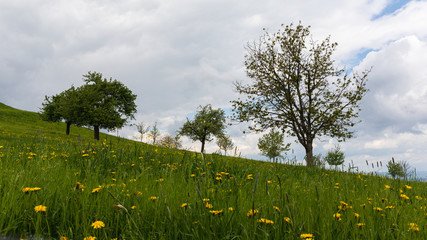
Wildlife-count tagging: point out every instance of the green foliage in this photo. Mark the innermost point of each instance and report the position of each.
(225, 143)
(154, 133)
(142, 129)
(138, 191)
(100, 103)
(272, 144)
(207, 123)
(169, 141)
(395, 169)
(297, 88)
(335, 157)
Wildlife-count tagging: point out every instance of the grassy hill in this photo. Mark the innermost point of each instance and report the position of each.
(55, 186)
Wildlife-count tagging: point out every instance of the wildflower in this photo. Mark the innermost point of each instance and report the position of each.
(230, 209)
(343, 205)
(356, 215)
(404, 196)
(387, 186)
(218, 178)
(276, 208)
(217, 212)
(193, 175)
(26, 190)
(307, 236)
(160, 180)
(208, 205)
(252, 213)
(360, 225)
(89, 238)
(31, 189)
(389, 207)
(250, 177)
(40, 208)
(418, 197)
(133, 207)
(378, 209)
(408, 187)
(184, 205)
(414, 227)
(98, 225)
(63, 238)
(337, 216)
(119, 206)
(96, 190)
(287, 219)
(153, 198)
(266, 221)
(206, 199)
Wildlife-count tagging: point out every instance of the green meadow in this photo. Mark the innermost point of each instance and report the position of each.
(54, 186)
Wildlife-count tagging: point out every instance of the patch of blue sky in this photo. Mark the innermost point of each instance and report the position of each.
(392, 7)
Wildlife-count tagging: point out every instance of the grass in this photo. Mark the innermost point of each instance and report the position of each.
(139, 191)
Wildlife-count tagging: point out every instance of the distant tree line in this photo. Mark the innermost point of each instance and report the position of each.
(100, 103)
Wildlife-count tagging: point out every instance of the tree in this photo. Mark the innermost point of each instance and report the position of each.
(272, 144)
(155, 133)
(207, 123)
(142, 129)
(225, 143)
(335, 157)
(171, 142)
(395, 169)
(107, 103)
(296, 88)
(65, 106)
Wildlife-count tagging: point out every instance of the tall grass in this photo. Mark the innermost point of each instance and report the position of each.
(146, 192)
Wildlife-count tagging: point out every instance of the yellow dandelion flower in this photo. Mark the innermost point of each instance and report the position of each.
(208, 205)
(96, 190)
(97, 225)
(40, 208)
(408, 187)
(360, 225)
(184, 205)
(276, 208)
(89, 238)
(378, 209)
(252, 213)
(153, 198)
(266, 221)
(404, 196)
(306, 236)
(287, 219)
(418, 197)
(387, 186)
(414, 227)
(63, 238)
(250, 177)
(230, 209)
(217, 212)
(337, 216)
(356, 215)
(206, 199)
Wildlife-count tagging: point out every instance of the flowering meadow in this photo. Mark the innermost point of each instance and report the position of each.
(54, 186)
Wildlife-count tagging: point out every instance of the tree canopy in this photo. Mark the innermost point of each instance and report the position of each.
(272, 144)
(100, 103)
(207, 123)
(297, 88)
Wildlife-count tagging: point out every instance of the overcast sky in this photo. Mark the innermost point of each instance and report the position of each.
(177, 55)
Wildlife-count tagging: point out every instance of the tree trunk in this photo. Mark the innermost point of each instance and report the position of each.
(96, 132)
(309, 154)
(67, 132)
(203, 146)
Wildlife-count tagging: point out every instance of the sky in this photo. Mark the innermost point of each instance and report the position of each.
(178, 55)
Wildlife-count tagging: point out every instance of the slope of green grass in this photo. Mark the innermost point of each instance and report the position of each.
(132, 190)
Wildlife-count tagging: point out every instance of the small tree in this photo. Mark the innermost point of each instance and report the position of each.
(297, 88)
(395, 169)
(335, 157)
(225, 143)
(272, 145)
(154, 133)
(171, 142)
(142, 129)
(107, 103)
(207, 123)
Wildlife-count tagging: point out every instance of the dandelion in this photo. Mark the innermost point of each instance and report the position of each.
(276, 208)
(230, 209)
(378, 209)
(133, 207)
(184, 205)
(337, 216)
(63, 238)
(206, 199)
(343, 205)
(40, 208)
(414, 227)
(266, 221)
(404, 196)
(250, 177)
(217, 212)
(389, 207)
(418, 197)
(89, 238)
(98, 225)
(208, 205)
(408, 187)
(356, 215)
(307, 236)
(96, 190)
(287, 219)
(153, 198)
(252, 213)
(387, 186)
(360, 225)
